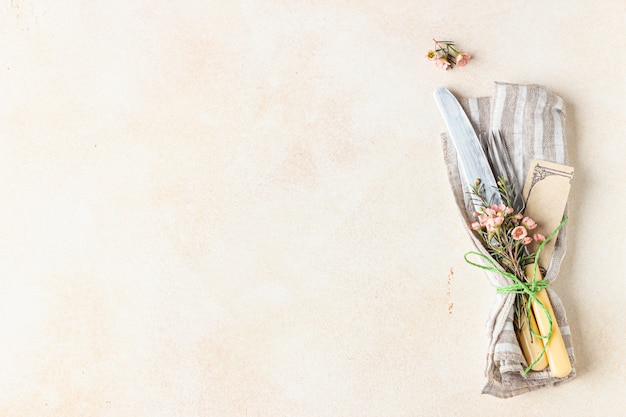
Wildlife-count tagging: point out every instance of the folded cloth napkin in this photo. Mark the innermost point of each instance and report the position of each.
(531, 121)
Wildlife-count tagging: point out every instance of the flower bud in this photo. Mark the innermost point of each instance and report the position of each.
(529, 223)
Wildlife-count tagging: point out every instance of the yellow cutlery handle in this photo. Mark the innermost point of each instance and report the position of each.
(531, 345)
(556, 352)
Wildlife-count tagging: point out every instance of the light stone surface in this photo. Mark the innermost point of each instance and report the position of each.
(240, 208)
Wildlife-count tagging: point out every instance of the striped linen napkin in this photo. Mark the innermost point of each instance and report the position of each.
(531, 121)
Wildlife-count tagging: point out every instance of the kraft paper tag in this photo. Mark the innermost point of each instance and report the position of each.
(545, 192)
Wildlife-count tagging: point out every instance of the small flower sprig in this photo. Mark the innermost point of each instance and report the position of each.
(446, 56)
(505, 233)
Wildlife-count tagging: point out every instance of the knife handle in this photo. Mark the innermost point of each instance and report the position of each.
(531, 345)
(558, 359)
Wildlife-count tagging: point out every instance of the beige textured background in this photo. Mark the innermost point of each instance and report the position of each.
(239, 208)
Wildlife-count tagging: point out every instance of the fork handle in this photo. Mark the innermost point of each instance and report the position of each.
(556, 352)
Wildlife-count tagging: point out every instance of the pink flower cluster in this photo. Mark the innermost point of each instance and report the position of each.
(493, 217)
(445, 55)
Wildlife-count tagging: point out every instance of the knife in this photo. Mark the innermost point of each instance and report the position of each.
(472, 159)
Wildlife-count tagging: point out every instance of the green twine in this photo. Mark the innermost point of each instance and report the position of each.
(530, 288)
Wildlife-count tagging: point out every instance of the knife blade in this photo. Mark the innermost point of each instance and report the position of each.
(471, 156)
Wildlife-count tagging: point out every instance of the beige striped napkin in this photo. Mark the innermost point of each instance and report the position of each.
(531, 121)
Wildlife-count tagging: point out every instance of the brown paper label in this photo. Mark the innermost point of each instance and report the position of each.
(545, 192)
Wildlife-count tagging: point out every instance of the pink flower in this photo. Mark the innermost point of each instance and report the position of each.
(476, 226)
(462, 59)
(527, 240)
(508, 210)
(539, 237)
(499, 209)
(446, 56)
(529, 223)
(519, 216)
(519, 233)
(442, 63)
